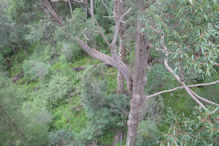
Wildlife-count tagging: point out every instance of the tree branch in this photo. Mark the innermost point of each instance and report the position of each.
(104, 4)
(70, 7)
(189, 91)
(216, 64)
(203, 99)
(183, 84)
(94, 53)
(96, 23)
(119, 64)
(52, 12)
(181, 87)
(118, 26)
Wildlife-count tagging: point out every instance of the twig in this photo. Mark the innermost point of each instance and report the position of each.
(105, 5)
(70, 7)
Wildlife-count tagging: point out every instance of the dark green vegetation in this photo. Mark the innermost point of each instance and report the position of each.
(52, 93)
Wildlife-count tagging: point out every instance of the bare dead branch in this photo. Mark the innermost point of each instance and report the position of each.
(181, 87)
(176, 76)
(92, 7)
(205, 84)
(116, 32)
(203, 99)
(96, 23)
(216, 64)
(70, 7)
(104, 4)
(161, 50)
(183, 84)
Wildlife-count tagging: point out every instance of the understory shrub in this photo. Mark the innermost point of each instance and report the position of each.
(148, 134)
(104, 111)
(59, 88)
(70, 50)
(17, 127)
(34, 69)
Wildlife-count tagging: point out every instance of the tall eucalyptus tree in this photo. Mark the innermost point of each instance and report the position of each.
(171, 27)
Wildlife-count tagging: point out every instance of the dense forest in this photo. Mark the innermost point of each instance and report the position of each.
(109, 72)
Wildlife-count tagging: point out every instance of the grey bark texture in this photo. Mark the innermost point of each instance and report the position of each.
(135, 81)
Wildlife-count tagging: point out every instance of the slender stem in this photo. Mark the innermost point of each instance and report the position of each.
(69, 3)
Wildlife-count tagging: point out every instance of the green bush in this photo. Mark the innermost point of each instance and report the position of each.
(59, 88)
(69, 50)
(35, 70)
(148, 134)
(104, 111)
(17, 127)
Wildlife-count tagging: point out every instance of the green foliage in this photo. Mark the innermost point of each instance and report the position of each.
(65, 137)
(58, 89)
(104, 8)
(105, 112)
(191, 33)
(42, 31)
(25, 11)
(60, 137)
(159, 78)
(202, 128)
(35, 70)
(70, 50)
(209, 92)
(11, 36)
(147, 134)
(51, 98)
(17, 127)
(70, 116)
(153, 109)
(75, 25)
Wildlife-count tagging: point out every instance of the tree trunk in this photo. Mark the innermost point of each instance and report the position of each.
(122, 53)
(52, 12)
(139, 79)
(135, 82)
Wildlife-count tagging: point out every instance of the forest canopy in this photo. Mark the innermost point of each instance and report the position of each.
(109, 72)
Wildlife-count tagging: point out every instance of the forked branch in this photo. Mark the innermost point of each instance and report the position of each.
(188, 90)
(96, 23)
(183, 84)
(119, 64)
(117, 27)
